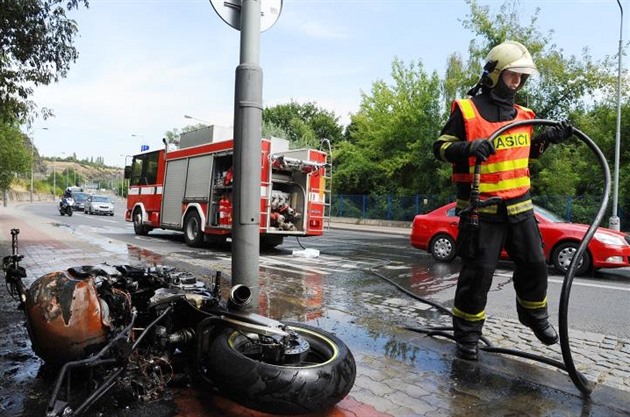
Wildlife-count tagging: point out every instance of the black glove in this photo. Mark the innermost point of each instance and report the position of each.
(481, 148)
(560, 132)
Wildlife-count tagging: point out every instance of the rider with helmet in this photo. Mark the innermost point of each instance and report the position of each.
(509, 224)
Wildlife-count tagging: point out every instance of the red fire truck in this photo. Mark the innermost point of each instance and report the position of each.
(190, 189)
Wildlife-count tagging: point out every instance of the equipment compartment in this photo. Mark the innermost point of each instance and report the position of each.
(287, 206)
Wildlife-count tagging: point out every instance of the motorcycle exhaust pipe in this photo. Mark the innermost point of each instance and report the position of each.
(240, 297)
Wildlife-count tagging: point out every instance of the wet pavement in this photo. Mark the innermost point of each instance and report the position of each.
(399, 372)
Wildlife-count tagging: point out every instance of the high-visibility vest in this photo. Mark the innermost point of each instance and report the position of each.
(506, 173)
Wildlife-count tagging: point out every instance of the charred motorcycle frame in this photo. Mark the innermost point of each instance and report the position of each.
(132, 329)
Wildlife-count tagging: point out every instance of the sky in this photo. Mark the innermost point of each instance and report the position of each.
(144, 64)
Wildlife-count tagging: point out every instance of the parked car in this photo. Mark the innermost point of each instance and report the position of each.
(436, 233)
(99, 204)
(79, 198)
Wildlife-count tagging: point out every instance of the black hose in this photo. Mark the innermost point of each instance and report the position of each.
(578, 379)
(569, 366)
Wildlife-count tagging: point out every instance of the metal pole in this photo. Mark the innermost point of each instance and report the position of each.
(614, 222)
(122, 182)
(247, 150)
(32, 166)
(54, 177)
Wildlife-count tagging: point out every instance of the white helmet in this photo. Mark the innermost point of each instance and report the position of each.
(509, 55)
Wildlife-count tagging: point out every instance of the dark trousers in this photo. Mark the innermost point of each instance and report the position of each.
(480, 250)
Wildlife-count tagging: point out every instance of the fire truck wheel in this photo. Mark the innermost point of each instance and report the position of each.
(138, 227)
(193, 234)
(315, 382)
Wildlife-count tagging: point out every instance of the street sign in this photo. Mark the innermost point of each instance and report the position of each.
(230, 12)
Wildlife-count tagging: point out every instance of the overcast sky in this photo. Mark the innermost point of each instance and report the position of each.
(144, 64)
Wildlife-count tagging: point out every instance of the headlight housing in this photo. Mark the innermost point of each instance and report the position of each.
(609, 239)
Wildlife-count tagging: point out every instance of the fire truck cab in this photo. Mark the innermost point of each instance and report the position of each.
(190, 189)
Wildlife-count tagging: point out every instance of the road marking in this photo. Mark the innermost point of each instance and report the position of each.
(108, 220)
(293, 271)
(585, 284)
(289, 264)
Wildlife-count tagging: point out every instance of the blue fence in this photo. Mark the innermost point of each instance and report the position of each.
(580, 209)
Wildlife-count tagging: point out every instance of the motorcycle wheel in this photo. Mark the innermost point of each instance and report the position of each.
(70, 213)
(322, 379)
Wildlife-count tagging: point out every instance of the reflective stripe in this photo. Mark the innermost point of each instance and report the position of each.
(530, 305)
(467, 109)
(502, 166)
(461, 204)
(469, 317)
(493, 209)
(511, 209)
(520, 207)
(447, 141)
(494, 177)
(505, 185)
(443, 151)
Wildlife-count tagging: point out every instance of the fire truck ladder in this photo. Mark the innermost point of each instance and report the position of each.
(324, 145)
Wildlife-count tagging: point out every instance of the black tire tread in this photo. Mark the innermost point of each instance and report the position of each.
(281, 389)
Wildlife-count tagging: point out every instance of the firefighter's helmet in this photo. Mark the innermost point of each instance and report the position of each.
(509, 55)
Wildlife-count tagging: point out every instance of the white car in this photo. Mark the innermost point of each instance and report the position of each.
(99, 204)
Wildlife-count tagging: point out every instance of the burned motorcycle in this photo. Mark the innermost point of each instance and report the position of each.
(131, 329)
(65, 206)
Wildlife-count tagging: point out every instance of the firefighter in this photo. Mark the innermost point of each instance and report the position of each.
(509, 224)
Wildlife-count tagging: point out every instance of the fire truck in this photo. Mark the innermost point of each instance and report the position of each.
(190, 189)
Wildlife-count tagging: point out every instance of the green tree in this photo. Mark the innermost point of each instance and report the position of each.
(15, 155)
(564, 83)
(305, 124)
(36, 40)
(391, 136)
(270, 129)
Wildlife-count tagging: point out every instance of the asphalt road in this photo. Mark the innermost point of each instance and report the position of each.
(598, 303)
(400, 373)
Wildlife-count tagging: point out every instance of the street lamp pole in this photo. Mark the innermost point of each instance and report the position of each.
(32, 166)
(614, 219)
(54, 177)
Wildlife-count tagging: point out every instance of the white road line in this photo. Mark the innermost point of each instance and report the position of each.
(291, 265)
(293, 271)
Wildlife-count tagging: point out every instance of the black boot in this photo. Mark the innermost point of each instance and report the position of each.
(467, 350)
(466, 334)
(545, 333)
(538, 320)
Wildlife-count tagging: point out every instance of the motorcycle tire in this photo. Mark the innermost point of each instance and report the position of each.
(69, 213)
(316, 384)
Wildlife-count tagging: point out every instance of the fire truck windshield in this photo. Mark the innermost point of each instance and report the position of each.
(144, 169)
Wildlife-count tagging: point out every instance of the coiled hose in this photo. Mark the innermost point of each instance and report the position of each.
(569, 366)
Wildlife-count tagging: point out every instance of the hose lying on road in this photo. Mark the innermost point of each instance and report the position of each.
(568, 365)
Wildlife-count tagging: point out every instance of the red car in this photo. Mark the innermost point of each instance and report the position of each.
(436, 232)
